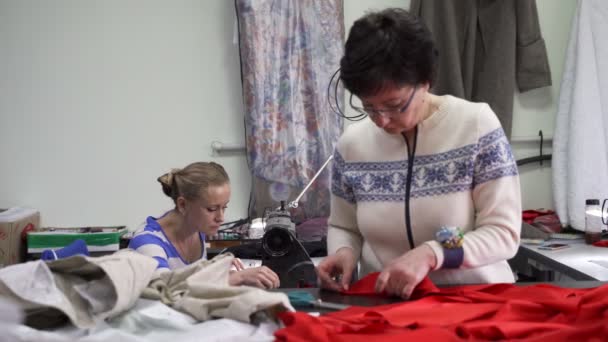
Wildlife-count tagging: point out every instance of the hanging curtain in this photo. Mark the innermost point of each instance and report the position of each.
(580, 141)
(289, 50)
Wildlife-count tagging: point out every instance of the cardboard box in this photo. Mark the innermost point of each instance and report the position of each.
(14, 225)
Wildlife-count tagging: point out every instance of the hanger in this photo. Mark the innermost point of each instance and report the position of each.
(540, 158)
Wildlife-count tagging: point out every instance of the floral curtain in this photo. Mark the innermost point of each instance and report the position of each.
(289, 51)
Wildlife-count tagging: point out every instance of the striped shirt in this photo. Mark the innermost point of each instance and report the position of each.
(152, 241)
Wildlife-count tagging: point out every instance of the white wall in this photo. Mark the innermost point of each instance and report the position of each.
(98, 98)
(535, 110)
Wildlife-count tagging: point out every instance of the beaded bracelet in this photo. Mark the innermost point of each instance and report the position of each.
(451, 239)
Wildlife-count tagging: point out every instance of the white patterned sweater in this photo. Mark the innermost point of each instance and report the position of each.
(463, 174)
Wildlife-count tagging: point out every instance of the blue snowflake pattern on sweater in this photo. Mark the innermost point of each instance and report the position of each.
(461, 169)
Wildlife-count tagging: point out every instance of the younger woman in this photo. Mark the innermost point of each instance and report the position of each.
(201, 192)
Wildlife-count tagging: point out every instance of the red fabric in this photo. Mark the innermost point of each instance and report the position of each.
(528, 216)
(474, 312)
(545, 220)
(601, 243)
(365, 287)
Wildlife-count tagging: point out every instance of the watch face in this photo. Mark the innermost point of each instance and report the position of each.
(279, 191)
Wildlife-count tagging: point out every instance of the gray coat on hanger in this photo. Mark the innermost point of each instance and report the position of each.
(485, 47)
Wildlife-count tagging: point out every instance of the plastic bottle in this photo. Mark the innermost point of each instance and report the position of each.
(593, 221)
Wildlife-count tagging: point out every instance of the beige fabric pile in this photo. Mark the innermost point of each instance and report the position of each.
(90, 289)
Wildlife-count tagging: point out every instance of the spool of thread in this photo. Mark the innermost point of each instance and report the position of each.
(256, 229)
(78, 247)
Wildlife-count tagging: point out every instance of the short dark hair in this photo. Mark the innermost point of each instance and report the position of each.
(389, 47)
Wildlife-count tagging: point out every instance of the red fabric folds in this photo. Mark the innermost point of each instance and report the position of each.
(601, 243)
(474, 312)
(365, 287)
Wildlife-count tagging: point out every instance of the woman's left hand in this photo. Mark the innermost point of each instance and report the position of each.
(238, 264)
(261, 277)
(401, 276)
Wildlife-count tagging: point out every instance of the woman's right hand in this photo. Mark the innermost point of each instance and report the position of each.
(336, 270)
(261, 277)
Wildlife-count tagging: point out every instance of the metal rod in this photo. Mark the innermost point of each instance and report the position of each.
(522, 139)
(294, 203)
(319, 304)
(219, 147)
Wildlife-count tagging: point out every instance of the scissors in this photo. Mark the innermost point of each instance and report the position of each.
(302, 298)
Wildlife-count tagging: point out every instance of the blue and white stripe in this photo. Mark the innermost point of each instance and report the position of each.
(152, 241)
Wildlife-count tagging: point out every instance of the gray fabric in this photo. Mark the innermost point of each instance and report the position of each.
(486, 47)
(10, 312)
(84, 289)
(147, 321)
(88, 290)
(201, 290)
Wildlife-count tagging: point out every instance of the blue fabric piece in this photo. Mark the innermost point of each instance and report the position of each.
(78, 247)
(300, 298)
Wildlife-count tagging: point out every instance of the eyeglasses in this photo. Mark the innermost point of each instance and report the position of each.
(385, 113)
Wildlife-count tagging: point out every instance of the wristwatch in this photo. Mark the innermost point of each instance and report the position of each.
(451, 239)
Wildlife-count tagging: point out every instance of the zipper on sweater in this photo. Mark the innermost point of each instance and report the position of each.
(408, 185)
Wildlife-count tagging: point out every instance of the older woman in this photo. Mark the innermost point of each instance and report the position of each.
(428, 184)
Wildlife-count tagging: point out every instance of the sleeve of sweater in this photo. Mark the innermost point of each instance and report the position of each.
(150, 245)
(496, 197)
(342, 228)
